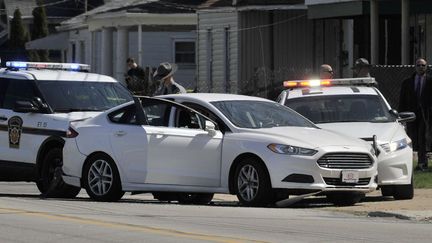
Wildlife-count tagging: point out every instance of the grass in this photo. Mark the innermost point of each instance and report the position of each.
(423, 179)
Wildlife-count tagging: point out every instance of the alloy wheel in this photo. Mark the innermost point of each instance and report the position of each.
(248, 182)
(100, 177)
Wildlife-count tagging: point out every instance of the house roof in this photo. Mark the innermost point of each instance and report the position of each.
(25, 6)
(114, 4)
(162, 6)
(134, 6)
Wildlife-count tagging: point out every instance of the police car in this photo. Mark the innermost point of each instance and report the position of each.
(355, 107)
(37, 103)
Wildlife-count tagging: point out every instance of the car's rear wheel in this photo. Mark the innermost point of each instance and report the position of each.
(51, 183)
(101, 179)
(345, 198)
(404, 192)
(195, 198)
(252, 183)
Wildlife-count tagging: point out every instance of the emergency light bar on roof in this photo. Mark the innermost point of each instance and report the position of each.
(49, 65)
(330, 82)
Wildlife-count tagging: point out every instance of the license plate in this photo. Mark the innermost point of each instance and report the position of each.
(350, 176)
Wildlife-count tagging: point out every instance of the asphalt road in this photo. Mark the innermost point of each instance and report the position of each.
(25, 217)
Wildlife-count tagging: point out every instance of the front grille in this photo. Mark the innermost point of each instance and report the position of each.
(338, 182)
(345, 161)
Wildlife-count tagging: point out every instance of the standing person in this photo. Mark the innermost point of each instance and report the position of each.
(135, 78)
(361, 68)
(164, 74)
(326, 72)
(415, 96)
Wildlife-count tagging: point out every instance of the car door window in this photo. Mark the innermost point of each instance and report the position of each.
(188, 119)
(127, 115)
(220, 125)
(157, 112)
(18, 90)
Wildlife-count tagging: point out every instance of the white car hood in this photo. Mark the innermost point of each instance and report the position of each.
(383, 131)
(310, 137)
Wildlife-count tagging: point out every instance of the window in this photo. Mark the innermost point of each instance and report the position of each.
(127, 115)
(184, 52)
(18, 90)
(157, 112)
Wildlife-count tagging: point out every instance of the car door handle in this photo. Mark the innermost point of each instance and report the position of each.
(120, 133)
(3, 118)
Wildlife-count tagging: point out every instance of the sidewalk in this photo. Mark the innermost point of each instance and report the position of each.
(374, 205)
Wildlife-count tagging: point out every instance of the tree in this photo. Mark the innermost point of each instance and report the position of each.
(18, 33)
(40, 30)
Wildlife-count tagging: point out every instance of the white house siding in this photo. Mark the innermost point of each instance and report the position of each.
(81, 38)
(217, 25)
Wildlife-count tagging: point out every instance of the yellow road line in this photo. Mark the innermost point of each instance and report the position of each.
(125, 226)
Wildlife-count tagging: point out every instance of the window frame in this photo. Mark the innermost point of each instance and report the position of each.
(184, 40)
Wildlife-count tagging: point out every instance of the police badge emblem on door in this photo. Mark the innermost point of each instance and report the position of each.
(14, 129)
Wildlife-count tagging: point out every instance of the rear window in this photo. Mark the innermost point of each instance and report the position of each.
(342, 108)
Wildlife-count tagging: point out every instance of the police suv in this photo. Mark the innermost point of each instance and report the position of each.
(355, 107)
(37, 103)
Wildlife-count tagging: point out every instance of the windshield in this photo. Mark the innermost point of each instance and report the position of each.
(342, 108)
(68, 96)
(260, 114)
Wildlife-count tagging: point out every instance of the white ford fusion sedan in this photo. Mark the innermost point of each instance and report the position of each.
(252, 147)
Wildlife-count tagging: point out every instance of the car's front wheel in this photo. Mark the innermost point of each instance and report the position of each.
(101, 179)
(51, 183)
(252, 183)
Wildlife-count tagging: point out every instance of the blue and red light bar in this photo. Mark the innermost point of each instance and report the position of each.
(48, 65)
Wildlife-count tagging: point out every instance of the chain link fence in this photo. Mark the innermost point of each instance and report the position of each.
(268, 83)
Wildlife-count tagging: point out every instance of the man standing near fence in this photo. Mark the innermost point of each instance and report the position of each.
(136, 78)
(164, 74)
(415, 96)
(361, 68)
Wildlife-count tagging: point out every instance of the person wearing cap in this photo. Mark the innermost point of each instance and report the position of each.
(361, 68)
(135, 78)
(164, 75)
(326, 72)
(415, 96)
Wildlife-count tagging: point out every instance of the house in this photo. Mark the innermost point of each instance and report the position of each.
(384, 31)
(252, 46)
(151, 31)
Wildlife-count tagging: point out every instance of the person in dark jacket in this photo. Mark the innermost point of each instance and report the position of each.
(164, 75)
(135, 78)
(415, 96)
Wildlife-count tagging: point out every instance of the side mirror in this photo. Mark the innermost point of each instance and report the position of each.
(210, 128)
(394, 113)
(406, 117)
(25, 107)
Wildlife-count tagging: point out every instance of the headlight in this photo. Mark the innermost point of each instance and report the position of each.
(395, 145)
(291, 150)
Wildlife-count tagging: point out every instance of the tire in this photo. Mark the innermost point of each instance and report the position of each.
(195, 198)
(387, 191)
(51, 183)
(252, 183)
(404, 192)
(345, 198)
(101, 179)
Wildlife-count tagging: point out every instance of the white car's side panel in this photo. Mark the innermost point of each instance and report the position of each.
(183, 156)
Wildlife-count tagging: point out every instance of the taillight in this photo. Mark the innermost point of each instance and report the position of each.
(71, 133)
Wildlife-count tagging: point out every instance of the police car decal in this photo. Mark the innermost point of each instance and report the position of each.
(15, 129)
